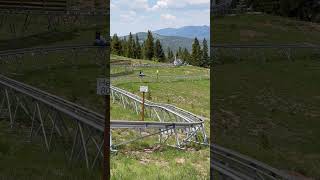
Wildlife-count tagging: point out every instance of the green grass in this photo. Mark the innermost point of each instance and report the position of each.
(72, 79)
(258, 29)
(269, 108)
(20, 159)
(58, 73)
(132, 162)
(38, 34)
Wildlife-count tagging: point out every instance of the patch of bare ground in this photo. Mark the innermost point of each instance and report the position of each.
(247, 35)
(180, 160)
(269, 24)
(228, 119)
(202, 171)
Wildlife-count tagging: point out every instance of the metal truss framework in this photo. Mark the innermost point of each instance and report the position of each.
(193, 125)
(78, 129)
(22, 104)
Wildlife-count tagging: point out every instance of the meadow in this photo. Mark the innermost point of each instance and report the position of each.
(266, 104)
(73, 77)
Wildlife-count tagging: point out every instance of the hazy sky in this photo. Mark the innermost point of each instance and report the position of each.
(142, 15)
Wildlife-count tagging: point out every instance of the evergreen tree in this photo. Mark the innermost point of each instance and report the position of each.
(180, 53)
(158, 51)
(138, 48)
(149, 46)
(130, 47)
(123, 47)
(196, 53)
(186, 55)
(170, 55)
(115, 45)
(205, 61)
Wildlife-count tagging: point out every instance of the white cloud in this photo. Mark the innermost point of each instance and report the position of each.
(168, 17)
(128, 17)
(162, 4)
(142, 15)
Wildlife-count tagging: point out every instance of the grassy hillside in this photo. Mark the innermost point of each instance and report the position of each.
(135, 161)
(37, 33)
(74, 79)
(269, 109)
(57, 73)
(257, 29)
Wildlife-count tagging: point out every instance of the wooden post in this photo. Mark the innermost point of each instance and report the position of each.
(142, 111)
(106, 154)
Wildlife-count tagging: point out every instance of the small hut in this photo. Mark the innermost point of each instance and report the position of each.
(177, 61)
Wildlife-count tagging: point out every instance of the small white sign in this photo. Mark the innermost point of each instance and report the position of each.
(103, 86)
(144, 89)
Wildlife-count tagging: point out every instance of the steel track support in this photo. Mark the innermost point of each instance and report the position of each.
(9, 108)
(99, 152)
(177, 137)
(205, 138)
(13, 29)
(33, 121)
(16, 109)
(74, 144)
(2, 102)
(112, 95)
(26, 23)
(84, 145)
(42, 126)
(157, 115)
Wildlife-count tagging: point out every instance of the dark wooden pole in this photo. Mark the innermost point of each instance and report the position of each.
(142, 112)
(106, 159)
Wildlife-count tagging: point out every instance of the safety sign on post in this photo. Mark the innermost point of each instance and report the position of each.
(143, 89)
(103, 86)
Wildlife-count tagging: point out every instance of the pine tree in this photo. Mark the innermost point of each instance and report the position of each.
(158, 51)
(205, 61)
(149, 46)
(115, 45)
(180, 53)
(123, 47)
(186, 56)
(137, 48)
(130, 47)
(170, 55)
(196, 53)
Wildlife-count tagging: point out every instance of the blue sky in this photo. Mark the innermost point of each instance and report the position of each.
(142, 15)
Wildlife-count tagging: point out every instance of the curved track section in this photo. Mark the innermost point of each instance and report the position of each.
(55, 118)
(228, 163)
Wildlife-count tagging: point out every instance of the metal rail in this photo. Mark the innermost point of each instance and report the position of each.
(242, 166)
(269, 46)
(42, 50)
(48, 12)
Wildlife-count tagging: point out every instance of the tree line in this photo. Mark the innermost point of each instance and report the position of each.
(307, 10)
(151, 49)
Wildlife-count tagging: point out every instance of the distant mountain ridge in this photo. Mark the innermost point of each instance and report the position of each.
(200, 32)
(177, 37)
